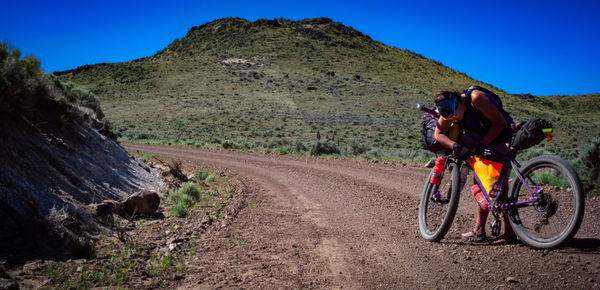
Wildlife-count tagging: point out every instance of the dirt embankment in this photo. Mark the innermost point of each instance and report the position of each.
(323, 224)
(53, 163)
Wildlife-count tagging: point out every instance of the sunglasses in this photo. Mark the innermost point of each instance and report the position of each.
(447, 108)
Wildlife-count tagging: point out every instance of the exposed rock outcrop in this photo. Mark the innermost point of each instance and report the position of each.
(52, 163)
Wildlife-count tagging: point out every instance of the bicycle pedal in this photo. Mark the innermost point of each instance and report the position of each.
(496, 227)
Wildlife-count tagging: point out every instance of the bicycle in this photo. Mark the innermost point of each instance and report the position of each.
(15, 234)
(545, 202)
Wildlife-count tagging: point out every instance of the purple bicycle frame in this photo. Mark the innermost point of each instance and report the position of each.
(493, 203)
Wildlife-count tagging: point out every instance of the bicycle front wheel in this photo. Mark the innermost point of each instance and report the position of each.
(439, 204)
(553, 220)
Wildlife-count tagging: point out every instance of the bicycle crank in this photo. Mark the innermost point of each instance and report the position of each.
(496, 224)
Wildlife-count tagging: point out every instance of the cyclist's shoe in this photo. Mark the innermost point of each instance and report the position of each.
(473, 236)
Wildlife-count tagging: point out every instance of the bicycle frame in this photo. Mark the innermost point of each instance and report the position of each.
(497, 186)
(494, 203)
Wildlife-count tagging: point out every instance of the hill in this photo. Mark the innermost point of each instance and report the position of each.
(276, 83)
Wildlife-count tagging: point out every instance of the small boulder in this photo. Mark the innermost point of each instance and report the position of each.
(104, 213)
(430, 164)
(146, 202)
(116, 206)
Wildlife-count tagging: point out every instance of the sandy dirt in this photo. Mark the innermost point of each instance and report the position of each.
(322, 223)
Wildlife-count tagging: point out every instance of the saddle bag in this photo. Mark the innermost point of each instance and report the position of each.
(531, 133)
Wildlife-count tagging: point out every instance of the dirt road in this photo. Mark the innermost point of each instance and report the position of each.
(330, 224)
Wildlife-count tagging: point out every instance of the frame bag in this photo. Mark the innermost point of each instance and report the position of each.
(531, 133)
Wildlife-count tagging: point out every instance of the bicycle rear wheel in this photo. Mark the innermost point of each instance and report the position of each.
(439, 204)
(15, 234)
(552, 221)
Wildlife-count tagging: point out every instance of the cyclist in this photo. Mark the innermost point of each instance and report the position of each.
(482, 116)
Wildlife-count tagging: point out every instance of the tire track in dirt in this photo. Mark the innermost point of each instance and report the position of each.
(366, 218)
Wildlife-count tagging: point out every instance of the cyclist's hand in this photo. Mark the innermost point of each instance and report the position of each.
(463, 152)
(479, 149)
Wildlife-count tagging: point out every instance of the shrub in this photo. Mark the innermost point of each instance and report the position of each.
(299, 146)
(187, 201)
(184, 198)
(209, 178)
(324, 147)
(4, 51)
(179, 210)
(376, 153)
(201, 174)
(81, 97)
(356, 148)
(587, 166)
(190, 189)
(227, 145)
(82, 249)
(23, 83)
(175, 196)
(5, 88)
(21, 79)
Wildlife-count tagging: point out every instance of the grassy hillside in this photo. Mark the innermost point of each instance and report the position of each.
(275, 83)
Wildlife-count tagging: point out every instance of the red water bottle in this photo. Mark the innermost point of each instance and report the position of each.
(479, 196)
(436, 178)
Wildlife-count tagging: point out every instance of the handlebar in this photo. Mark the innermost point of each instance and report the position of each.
(487, 152)
(432, 114)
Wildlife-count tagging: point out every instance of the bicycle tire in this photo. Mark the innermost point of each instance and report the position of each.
(436, 217)
(552, 222)
(15, 234)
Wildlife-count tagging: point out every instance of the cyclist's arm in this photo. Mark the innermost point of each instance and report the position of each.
(483, 104)
(441, 133)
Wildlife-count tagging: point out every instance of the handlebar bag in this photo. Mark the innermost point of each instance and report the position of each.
(428, 141)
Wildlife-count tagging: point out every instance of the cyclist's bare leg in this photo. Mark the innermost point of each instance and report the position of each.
(482, 216)
(509, 234)
(508, 230)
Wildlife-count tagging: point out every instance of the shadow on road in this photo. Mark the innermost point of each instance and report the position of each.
(583, 246)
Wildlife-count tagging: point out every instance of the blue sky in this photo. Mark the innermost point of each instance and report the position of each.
(538, 47)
